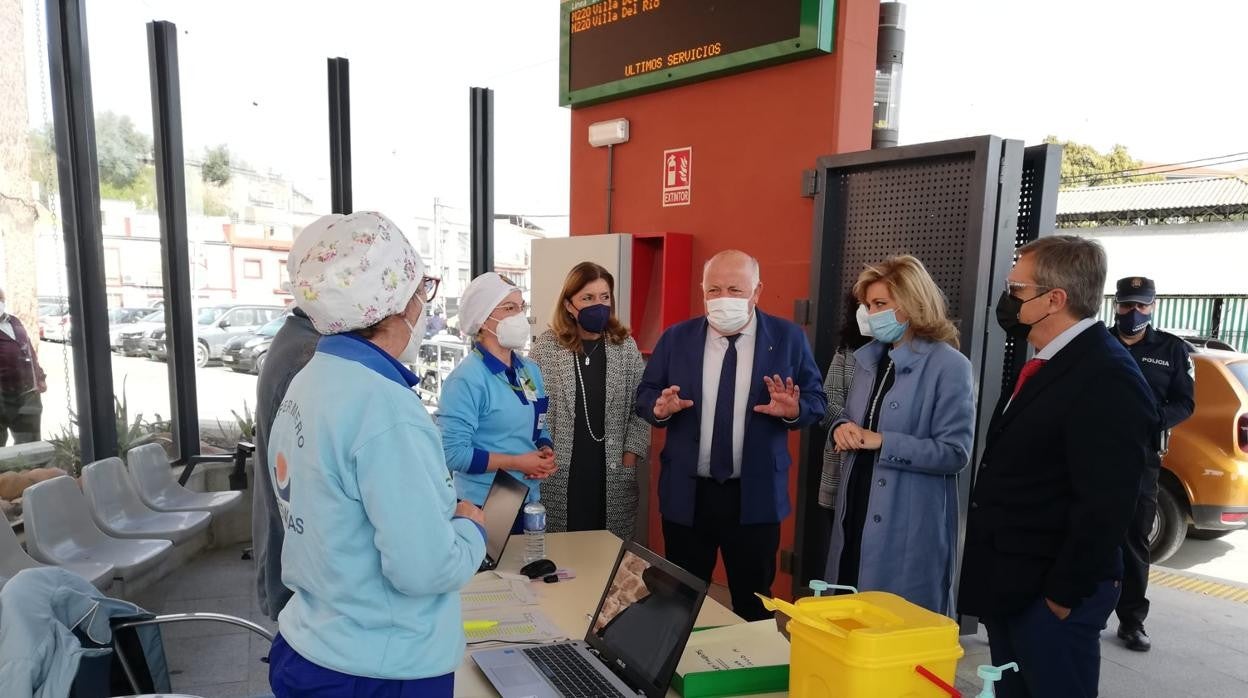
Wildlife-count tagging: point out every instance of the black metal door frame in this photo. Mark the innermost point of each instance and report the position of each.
(73, 120)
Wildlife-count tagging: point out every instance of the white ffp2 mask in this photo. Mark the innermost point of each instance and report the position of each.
(513, 332)
(864, 325)
(728, 315)
(411, 352)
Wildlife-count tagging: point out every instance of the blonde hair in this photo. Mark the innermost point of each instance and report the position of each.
(915, 293)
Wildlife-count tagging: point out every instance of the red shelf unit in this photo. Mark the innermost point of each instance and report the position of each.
(662, 274)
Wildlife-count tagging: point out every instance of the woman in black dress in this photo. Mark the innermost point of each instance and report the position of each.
(591, 367)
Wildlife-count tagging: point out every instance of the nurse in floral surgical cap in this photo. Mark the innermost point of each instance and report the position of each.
(376, 546)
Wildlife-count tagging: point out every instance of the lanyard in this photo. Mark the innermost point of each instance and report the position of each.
(525, 387)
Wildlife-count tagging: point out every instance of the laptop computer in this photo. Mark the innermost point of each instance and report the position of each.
(502, 506)
(633, 644)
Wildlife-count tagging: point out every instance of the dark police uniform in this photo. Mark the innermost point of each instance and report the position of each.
(1165, 361)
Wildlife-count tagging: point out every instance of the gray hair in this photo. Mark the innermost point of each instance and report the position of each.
(1074, 264)
(737, 255)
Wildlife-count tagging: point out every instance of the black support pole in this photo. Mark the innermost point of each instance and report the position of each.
(340, 134)
(73, 119)
(162, 57)
(482, 214)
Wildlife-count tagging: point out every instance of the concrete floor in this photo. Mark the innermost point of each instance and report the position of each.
(1198, 639)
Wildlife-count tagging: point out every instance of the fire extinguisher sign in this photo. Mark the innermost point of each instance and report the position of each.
(677, 176)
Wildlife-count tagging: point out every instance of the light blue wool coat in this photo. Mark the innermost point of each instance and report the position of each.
(927, 419)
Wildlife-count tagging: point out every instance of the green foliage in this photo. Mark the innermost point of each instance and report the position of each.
(42, 162)
(142, 191)
(130, 434)
(216, 169)
(17, 464)
(243, 428)
(122, 150)
(125, 161)
(1085, 166)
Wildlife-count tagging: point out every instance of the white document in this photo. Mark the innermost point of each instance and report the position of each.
(514, 625)
(496, 590)
(739, 646)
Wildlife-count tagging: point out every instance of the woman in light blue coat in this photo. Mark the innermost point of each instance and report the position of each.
(908, 426)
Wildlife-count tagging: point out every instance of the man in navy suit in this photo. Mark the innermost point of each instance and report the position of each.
(729, 387)
(1058, 481)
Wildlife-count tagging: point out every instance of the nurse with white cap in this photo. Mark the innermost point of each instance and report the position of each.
(376, 546)
(493, 406)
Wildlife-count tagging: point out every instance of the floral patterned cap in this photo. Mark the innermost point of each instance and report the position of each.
(353, 271)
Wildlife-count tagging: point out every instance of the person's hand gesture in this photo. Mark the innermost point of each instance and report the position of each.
(536, 465)
(669, 403)
(470, 511)
(851, 437)
(785, 398)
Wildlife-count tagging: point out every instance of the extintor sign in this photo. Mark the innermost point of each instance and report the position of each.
(677, 176)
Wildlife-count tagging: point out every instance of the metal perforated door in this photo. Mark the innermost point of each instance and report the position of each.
(1037, 214)
(922, 209)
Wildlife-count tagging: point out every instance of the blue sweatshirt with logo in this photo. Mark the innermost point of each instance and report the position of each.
(488, 407)
(373, 551)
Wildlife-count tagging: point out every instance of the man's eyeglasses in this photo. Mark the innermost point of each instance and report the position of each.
(428, 288)
(1015, 287)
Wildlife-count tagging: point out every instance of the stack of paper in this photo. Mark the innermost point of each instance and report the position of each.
(742, 646)
(513, 625)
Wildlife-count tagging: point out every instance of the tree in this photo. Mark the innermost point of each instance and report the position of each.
(122, 151)
(1085, 166)
(216, 169)
(42, 162)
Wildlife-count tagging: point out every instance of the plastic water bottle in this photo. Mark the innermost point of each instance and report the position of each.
(534, 532)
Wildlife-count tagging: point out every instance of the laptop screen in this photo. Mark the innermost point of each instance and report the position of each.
(645, 617)
(502, 506)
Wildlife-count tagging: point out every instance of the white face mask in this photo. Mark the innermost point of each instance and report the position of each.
(728, 315)
(411, 352)
(864, 325)
(3, 310)
(513, 332)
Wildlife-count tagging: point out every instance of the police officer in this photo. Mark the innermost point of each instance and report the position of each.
(1167, 366)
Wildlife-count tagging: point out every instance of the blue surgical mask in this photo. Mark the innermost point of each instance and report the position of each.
(884, 326)
(594, 318)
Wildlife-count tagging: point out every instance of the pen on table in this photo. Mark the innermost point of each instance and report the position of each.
(474, 626)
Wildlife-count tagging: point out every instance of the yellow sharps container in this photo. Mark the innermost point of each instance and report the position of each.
(868, 645)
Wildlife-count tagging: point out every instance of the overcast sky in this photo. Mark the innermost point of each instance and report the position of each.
(1165, 79)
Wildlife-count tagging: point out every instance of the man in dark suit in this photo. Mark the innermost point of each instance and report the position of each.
(728, 388)
(1057, 484)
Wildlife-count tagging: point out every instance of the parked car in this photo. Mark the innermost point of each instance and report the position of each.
(246, 353)
(438, 357)
(128, 339)
(214, 326)
(1204, 479)
(54, 328)
(1198, 341)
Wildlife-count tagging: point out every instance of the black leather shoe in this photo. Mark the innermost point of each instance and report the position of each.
(1135, 639)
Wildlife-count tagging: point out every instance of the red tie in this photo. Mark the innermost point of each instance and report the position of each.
(1031, 368)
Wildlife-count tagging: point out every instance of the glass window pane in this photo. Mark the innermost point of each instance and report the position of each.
(36, 366)
(257, 160)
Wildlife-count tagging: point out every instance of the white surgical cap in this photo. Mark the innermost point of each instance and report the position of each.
(480, 299)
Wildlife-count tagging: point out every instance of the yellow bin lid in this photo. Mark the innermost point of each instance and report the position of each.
(871, 624)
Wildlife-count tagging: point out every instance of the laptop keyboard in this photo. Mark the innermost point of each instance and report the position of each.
(570, 674)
